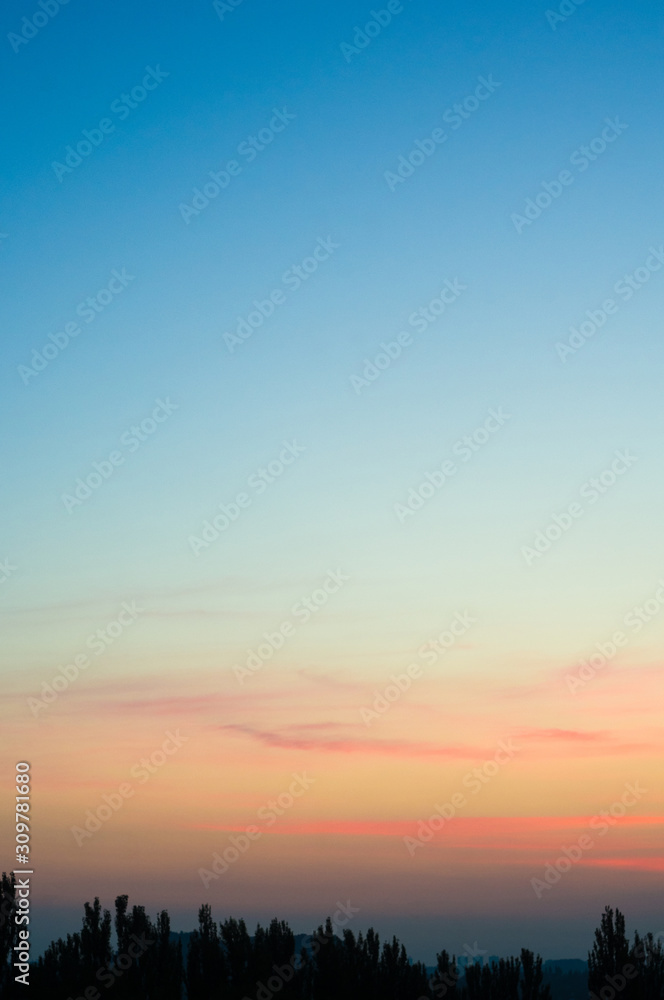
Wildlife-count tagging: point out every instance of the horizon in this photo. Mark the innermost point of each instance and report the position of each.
(329, 567)
(348, 916)
(333, 959)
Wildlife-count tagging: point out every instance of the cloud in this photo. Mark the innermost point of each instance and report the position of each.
(298, 738)
(320, 737)
(633, 864)
(232, 586)
(566, 735)
(587, 742)
(512, 834)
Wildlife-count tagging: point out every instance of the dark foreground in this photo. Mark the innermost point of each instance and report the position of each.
(144, 960)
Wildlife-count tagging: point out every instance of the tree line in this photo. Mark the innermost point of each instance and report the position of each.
(144, 960)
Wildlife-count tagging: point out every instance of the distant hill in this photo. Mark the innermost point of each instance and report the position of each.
(551, 965)
(566, 965)
(567, 977)
(184, 937)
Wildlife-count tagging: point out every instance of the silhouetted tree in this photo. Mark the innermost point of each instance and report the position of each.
(148, 964)
(95, 938)
(225, 963)
(609, 955)
(239, 954)
(446, 977)
(508, 979)
(328, 979)
(361, 959)
(8, 935)
(275, 963)
(531, 981)
(479, 982)
(167, 961)
(207, 973)
(647, 957)
(60, 970)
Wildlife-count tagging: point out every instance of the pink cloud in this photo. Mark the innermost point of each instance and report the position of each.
(634, 864)
(503, 833)
(350, 744)
(566, 735)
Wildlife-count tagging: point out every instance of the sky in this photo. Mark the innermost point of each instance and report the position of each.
(332, 456)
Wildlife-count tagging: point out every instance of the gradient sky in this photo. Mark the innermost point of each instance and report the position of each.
(334, 509)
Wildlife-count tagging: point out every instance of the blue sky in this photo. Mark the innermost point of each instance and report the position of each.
(323, 176)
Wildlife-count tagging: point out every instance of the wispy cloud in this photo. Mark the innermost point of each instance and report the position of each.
(514, 834)
(566, 735)
(288, 739)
